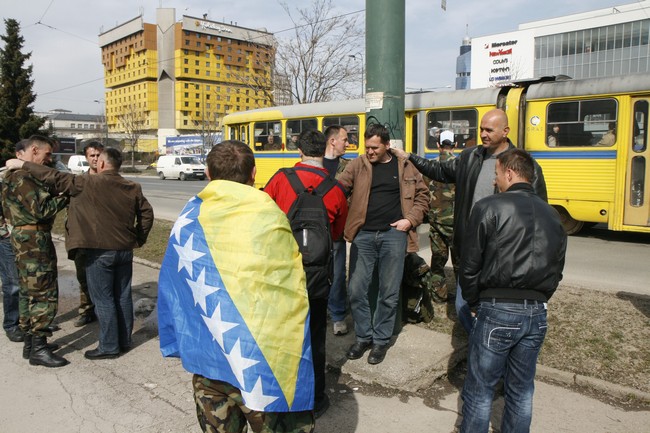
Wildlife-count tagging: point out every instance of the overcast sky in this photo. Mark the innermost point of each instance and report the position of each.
(68, 74)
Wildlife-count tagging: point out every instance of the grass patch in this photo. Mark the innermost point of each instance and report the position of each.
(591, 333)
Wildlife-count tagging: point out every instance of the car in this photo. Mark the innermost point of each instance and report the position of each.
(77, 164)
(180, 167)
(59, 165)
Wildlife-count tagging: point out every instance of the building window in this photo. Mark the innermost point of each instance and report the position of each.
(72, 125)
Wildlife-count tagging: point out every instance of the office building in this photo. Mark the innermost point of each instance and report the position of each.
(605, 42)
(179, 78)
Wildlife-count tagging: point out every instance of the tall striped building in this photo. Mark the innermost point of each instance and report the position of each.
(181, 77)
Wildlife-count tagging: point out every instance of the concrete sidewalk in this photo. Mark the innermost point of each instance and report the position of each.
(143, 392)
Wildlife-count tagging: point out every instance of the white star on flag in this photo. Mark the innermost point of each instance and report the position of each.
(200, 290)
(256, 397)
(238, 363)
(186, 255)
(218, 327)
(181, 222)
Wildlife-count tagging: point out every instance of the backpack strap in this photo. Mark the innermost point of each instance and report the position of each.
(325, 186)
(294, 180)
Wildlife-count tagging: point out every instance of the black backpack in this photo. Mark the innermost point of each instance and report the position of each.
(311, 227)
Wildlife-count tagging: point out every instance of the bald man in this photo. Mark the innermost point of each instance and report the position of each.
(473, 173)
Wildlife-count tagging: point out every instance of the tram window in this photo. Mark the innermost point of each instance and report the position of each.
(463, 123)
(582, 123)
(295, 127)
(350, 123)
(267, 136)
(640, 139)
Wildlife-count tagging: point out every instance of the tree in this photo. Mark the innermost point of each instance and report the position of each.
(17, 118)
(133, 121)
(208, 127)
(316, 58)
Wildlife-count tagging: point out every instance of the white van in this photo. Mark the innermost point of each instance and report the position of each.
(180, 167)
(78, 164)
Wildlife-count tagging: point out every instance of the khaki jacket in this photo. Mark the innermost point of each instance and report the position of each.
(414, 196)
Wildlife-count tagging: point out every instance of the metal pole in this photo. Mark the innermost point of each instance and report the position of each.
(385, 66)
(385, 85)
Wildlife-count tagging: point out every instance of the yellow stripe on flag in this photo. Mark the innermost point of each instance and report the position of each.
(257, 257)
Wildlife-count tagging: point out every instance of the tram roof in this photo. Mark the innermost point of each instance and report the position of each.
(412, 101)
(590, 86)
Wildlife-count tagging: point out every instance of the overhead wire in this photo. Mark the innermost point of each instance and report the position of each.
(175, 57)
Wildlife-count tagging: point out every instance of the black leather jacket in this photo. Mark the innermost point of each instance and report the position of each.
(464, 171)
(514, 248)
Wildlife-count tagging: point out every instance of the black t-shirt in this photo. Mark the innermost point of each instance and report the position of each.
(384, 206)
(331, 165)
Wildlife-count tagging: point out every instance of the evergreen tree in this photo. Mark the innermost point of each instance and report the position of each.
(17, 118)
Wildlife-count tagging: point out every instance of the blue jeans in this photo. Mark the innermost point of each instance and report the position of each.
(338, 294)
(109, 282)
(386, 250)
(462, 310)
(505, 342)
(10, 286)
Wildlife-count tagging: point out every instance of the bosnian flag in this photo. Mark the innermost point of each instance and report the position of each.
(232, 302)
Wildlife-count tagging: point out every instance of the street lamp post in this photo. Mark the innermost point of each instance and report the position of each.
(359, 56)
(100, 101)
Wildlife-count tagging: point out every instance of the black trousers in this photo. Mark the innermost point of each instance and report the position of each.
(318, 331)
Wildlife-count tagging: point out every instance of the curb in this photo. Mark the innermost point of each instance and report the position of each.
(612, 389)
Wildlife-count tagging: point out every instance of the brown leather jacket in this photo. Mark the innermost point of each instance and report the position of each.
(414, 196)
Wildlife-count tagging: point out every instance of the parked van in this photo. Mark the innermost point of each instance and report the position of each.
(180, 167)
(78, 164)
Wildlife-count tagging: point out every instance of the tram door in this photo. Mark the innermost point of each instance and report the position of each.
(637, 178)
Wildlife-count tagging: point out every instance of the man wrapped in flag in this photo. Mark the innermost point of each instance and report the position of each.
(232, 304)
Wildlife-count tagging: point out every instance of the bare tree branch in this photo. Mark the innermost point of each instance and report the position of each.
(133, 120)
(316, 58)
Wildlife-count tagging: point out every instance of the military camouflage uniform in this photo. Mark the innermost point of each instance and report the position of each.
(441, 230)
(220, 408)
(28, 202)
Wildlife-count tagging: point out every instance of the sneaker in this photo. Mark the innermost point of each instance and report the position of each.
(340, 328)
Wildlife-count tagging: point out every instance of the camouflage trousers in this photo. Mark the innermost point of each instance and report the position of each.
(220, 409)
(37, 277)
(85, 303)
(441, 237)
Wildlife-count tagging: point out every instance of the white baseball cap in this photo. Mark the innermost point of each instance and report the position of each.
(447, 135)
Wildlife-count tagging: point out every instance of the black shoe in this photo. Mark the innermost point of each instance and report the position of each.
(27, 348)
(321, 406)
(357, 350)
(15, 335)
(377, 353)
(52, 328)
(42, 355)
(96, 354)
(83, 320)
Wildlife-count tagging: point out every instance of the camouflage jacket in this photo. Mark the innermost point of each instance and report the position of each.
(441, 211)
(27, 201)
(342, 164)
(4, 228)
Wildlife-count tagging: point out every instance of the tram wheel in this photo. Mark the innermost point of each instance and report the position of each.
(571, 225)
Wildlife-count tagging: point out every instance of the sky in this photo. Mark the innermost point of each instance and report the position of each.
(62, 35)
